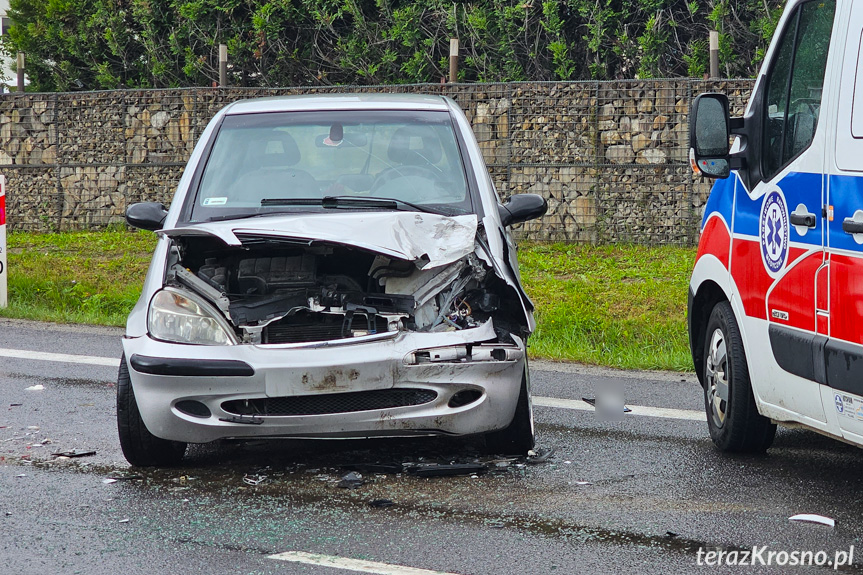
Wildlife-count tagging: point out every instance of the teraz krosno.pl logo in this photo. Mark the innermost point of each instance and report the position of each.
(765, 556)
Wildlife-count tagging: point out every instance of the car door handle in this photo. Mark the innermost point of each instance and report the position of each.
(852, 226)
(807, 220)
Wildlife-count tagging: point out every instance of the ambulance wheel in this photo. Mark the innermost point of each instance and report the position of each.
(732, 416)
(518, 437)
(140, 447)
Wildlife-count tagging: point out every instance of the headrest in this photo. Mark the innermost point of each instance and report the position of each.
(414, 146)
(273, 148)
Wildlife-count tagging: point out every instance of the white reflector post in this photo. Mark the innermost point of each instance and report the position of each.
(3, 271)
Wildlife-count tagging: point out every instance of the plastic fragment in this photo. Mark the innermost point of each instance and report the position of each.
(540, 455)
(812, 518)
(250, 479)
(447, 470)
(351, 480)
(73, 453)
(583, 483)
(123, 520)
(38, 387)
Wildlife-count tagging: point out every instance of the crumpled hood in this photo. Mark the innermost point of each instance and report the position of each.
(409, 236)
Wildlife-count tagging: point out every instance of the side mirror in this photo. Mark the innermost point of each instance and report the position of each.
(146, 215)
(709, 131)
(521, 208)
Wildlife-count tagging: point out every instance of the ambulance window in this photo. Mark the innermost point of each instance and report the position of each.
(857, 111)
(794, 84)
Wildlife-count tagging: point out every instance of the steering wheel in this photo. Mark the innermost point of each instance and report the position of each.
(409, 171)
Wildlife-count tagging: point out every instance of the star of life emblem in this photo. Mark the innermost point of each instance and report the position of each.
(773, 226)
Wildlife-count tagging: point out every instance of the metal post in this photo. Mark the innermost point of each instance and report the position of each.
(453, 60)
(223, 65)
(20, 71)
(3, 274)
(714, 54)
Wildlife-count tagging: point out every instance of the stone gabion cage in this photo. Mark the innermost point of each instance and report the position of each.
(610, 157)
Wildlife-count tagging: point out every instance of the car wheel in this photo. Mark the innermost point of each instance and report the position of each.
(518, 437)
(140, 447)
(732, 416)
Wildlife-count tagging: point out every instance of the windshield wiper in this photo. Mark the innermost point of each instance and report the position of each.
(334, 202)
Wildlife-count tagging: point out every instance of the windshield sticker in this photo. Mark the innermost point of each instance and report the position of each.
(773, 226)
(214, 201)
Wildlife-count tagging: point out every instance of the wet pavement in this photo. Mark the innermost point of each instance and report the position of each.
(639, 495)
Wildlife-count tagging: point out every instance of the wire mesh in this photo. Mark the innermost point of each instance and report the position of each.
(611, 158)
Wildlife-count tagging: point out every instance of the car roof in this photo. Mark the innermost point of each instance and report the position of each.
(316, 102)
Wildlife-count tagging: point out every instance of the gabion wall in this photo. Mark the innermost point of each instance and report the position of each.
(611, 157)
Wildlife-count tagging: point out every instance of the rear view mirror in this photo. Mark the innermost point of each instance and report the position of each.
(348, 141)
(709, 131)
(146, 215)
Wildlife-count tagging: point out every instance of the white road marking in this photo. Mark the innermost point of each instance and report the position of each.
(644, 410)
(348, 564)
(576, 404)
(59, 357)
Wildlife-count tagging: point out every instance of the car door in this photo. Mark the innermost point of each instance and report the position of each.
(778, 252)
(844, 349)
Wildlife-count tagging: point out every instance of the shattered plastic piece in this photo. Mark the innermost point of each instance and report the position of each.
(123, 520)
(109, 480)
(250, 479)
(381, 503)
(567, 462)
(38, 387)
(812, 518)
(540, 455)
(124, 477)
(351, 480)
(583, 483)
(21, 475)
(73, 453)
(447, 470)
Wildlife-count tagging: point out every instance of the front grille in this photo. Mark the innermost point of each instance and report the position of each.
(331, 402)
(302, 328)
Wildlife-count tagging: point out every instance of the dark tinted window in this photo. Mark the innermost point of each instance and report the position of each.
(794, 85)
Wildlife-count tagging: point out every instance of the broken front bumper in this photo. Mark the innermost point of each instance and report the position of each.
(393, 384)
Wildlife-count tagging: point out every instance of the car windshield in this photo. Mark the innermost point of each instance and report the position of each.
(281, 162)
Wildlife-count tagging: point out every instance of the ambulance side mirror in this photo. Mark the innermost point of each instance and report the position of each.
(709, 131)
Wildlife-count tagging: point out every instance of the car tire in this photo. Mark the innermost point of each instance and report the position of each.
(732, 417)
(140, 447)
(518, 437)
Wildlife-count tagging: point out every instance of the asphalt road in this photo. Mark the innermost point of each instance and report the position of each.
(641, 495)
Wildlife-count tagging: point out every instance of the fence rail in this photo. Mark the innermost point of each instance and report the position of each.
(611, 157)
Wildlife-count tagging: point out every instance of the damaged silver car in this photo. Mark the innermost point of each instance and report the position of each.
(330, 267)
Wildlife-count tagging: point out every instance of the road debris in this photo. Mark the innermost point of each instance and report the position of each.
(381, 503)
(539, 455)
(812, 518)
(73, 452)
(351, 480)
(252, 479)
(38, 387)
(446, 470)
(126, 520)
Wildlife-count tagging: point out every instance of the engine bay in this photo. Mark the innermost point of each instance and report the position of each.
(275, 290)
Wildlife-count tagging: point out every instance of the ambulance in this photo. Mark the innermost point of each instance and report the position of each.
(775, 310)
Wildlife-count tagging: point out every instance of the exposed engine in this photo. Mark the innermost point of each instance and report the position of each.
(274, 290)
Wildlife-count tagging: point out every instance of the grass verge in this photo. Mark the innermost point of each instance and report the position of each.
(618, 306)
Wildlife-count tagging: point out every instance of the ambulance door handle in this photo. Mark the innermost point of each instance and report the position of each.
(852, 226)
(807, 220)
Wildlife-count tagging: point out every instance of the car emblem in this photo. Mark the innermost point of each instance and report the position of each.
(773, 225)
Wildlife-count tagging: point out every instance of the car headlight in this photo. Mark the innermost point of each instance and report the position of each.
(183, 318)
